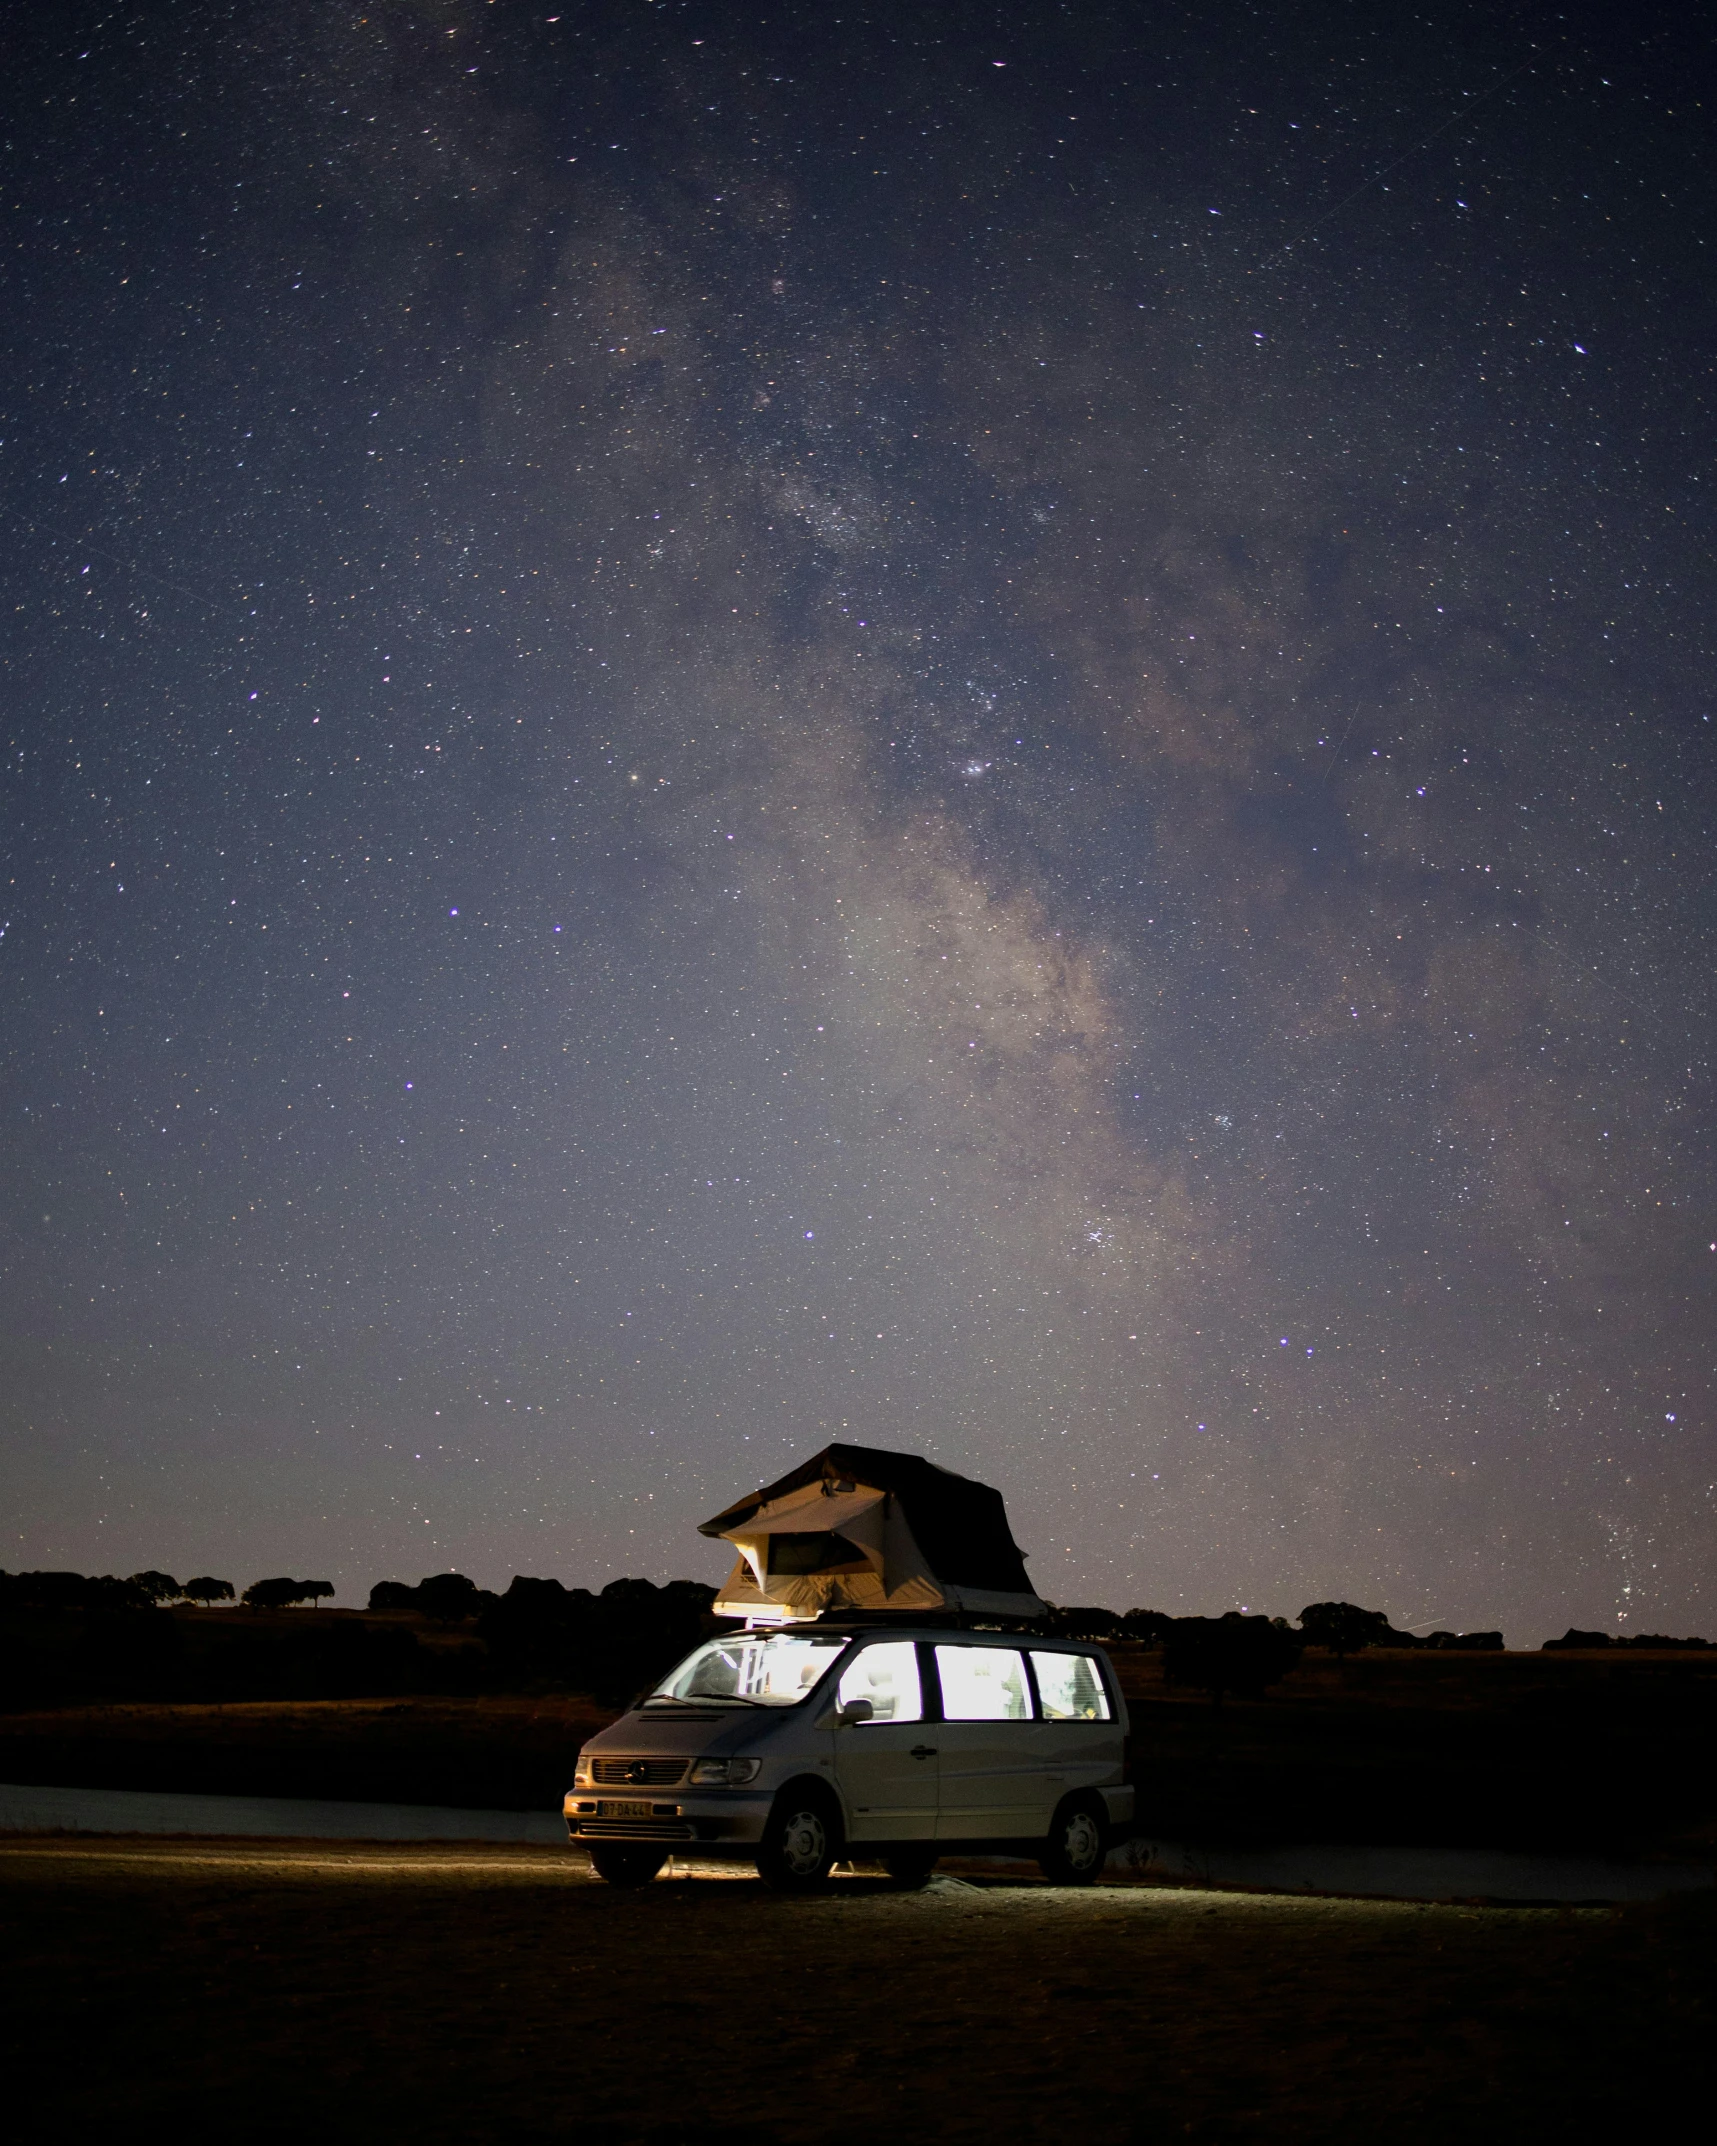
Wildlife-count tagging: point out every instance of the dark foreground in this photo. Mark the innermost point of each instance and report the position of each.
(191, 1988)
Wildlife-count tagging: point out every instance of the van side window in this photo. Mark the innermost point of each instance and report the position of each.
(982, 1684)
(1069, 1687)
(886, 1675)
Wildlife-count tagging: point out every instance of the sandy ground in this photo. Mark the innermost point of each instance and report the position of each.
(1384, 1873)
(268, 1991)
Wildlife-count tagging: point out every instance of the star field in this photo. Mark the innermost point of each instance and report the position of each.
(982, 732)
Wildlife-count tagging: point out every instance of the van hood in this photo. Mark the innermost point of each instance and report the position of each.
(681, 1733)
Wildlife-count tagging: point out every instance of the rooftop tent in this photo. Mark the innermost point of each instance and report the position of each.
(857, 1528)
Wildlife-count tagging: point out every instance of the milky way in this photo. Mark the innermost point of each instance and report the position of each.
(989, 736)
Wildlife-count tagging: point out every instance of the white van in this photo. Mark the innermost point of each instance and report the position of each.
(799, 1747)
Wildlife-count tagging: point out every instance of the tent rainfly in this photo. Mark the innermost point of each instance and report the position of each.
(855, 1528)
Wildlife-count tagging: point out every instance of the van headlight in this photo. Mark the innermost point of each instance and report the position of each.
(725, 1773)
(582, 1777)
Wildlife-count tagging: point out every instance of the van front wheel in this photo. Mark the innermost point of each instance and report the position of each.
(1078, 1843)
(626, 1865)
(800, 1842)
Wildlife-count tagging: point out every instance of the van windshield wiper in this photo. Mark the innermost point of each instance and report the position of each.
(713, 1698)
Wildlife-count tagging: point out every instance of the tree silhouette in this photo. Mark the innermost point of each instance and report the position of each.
(1344, 1628)
(448, 1597)
(206, 1590)
(269, 1594)
(283, 1593)
(392, 1595)
(158, 1586)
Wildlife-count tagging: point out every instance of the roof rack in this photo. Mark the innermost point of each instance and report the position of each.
(935, 1620)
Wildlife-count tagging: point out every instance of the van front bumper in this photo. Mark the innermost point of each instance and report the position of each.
(730, 1816)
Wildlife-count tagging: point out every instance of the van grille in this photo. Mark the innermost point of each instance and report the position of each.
(638, 1773)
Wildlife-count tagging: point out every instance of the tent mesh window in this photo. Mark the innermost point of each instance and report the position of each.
(792, 1556)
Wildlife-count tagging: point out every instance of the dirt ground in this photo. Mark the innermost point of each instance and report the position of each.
(275, 1992)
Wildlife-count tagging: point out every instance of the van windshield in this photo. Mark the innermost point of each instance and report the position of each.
(765, 1669)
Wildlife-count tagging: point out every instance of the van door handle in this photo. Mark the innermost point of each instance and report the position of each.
(924, 1751)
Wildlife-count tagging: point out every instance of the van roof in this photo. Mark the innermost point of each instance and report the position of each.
(878, 1627)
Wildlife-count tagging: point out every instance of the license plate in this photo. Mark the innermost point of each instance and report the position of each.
(623, 1810)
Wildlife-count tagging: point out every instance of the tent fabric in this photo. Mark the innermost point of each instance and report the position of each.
(912, 1537)
(856, 1518)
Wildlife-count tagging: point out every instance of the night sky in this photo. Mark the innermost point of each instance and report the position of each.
(980, 730)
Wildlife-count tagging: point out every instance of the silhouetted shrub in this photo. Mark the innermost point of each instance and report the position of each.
(644, 1629)
(73, 1636)
(610, 1644)
(538, 1628)
(319, 1658)
(1576, 1641)
(392, 1595)
(1075, 1622)
(1464, 1642)
(77, 1636)
(1243, 1655)
(71, 1591)
(1085, 1624)
(125, 1656)
(206, 1590)
(336, 1658)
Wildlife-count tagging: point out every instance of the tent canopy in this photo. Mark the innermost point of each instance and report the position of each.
(855, 1527)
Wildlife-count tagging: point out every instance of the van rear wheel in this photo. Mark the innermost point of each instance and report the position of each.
(1078, 1843)
(618, 1863)
(800, 1842)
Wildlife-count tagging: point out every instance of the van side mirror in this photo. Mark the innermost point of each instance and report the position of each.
(855, 1711)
